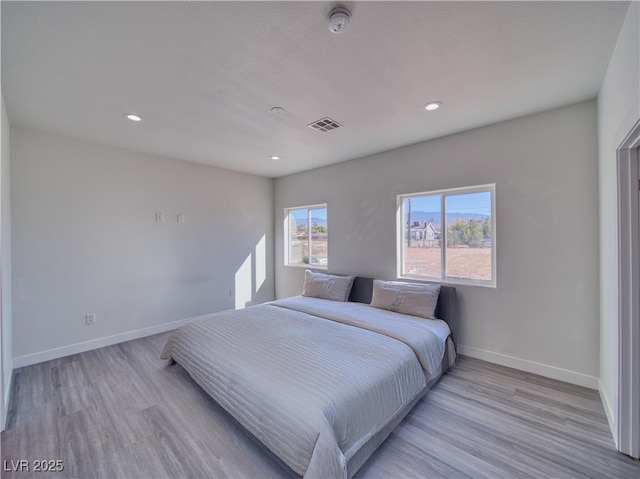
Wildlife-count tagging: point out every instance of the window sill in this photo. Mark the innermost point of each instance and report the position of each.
(308, 266)
(450, 281)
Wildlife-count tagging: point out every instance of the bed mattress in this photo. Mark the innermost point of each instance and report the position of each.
(313, 380)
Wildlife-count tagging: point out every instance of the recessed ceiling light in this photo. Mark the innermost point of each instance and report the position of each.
(433, 105)
(132, 117)
(274, 157)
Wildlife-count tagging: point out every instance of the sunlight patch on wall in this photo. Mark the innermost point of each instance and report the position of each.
(261, 262)
(244, 284)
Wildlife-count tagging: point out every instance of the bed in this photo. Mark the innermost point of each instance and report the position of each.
(320, 382)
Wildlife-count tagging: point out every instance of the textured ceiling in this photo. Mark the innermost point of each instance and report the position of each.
(205, 75)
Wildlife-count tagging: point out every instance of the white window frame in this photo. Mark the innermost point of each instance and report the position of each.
(400, 236)
(287, 236)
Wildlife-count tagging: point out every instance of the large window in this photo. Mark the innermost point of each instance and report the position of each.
(448, 235)
(306, 236)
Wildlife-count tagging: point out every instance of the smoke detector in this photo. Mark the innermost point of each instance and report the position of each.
(339, 19)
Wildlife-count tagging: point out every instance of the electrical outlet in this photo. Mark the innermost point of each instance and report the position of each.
(90, 318)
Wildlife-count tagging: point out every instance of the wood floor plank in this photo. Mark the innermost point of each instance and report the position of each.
(121, 412)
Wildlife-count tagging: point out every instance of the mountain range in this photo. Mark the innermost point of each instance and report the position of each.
(429, 217)
(434, 217)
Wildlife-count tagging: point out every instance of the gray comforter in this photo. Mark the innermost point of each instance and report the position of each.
(312, 379)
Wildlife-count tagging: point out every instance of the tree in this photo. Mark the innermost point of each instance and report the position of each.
(467, 232)
(475, 237)
(316, 228)
(456, 233)
(486, 228)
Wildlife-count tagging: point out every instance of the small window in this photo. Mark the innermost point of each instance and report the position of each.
(448, 235)
(306, 236)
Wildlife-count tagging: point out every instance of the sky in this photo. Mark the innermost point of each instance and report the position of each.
(301, 215)
(479, 203)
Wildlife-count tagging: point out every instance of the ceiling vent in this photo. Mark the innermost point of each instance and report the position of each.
(324, 125)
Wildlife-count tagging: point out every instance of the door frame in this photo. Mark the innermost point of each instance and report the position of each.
(628, 297)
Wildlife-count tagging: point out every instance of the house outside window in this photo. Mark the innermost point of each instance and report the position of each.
(307, 235)
(448, 236)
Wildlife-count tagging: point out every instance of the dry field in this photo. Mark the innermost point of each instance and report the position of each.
(462, 262)
(299, 250)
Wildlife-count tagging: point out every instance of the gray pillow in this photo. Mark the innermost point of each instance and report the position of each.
(326, 286)
(406, 298)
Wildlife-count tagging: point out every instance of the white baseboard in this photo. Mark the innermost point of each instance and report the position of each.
(7, 397)
(56, 353)
(545, 370)
(553, 372)
(608, 410)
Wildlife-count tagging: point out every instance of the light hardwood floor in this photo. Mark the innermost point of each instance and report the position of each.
(122, 412)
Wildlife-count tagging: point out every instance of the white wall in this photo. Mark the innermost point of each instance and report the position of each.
(543, 315)
(5, 201)
(85, 240)
(618, 110)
